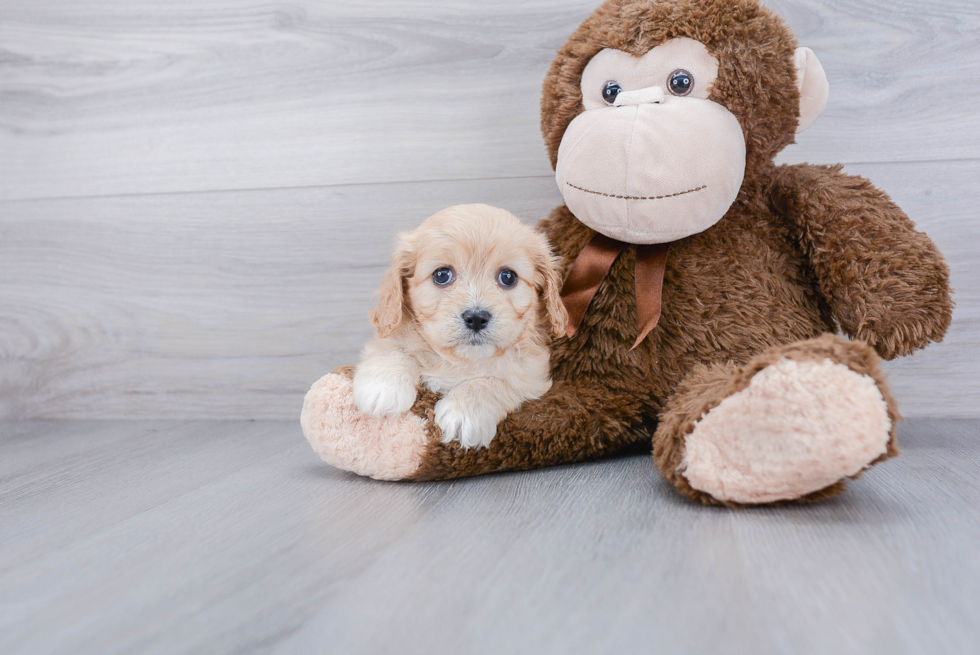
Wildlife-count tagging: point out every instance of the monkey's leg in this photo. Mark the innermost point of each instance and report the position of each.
(572, 422)
(792, 424)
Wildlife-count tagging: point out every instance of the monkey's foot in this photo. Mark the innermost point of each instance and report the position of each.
(797, 428)
(389, 448)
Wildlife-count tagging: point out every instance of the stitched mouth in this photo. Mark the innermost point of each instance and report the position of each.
(609, 195)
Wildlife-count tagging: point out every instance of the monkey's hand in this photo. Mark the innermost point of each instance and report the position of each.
(886, 283)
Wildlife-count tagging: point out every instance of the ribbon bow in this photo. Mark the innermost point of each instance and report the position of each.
(590, 269)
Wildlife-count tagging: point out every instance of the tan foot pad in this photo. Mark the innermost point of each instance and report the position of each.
(797, 428)
(386, 449)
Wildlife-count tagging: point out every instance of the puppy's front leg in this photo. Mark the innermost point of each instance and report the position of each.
(385, 380)
(471, 410)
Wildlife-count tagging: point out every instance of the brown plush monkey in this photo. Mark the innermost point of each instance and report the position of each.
(705, 283)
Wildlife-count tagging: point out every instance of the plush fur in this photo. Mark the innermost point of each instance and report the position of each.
(343, 436)
(803, 250)
(791, 432)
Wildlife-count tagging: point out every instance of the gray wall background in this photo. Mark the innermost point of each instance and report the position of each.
(198, 197)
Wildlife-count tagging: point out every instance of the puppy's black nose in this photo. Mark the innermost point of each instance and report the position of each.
(476, 319)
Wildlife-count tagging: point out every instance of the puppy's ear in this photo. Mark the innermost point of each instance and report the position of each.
(391, 302)
(547, 268)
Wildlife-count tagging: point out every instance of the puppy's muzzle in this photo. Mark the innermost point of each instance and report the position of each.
(476, 319)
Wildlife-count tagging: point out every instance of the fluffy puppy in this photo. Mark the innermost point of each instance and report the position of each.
(468, 307)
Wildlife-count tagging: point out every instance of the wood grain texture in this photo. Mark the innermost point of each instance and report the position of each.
(221, 305)
(216, 184)
(103, 98)
(229, 305)
(232, 537)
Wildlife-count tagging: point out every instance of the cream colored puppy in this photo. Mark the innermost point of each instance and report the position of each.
(467, 308)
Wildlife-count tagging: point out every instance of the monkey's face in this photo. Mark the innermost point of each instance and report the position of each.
(651, 159)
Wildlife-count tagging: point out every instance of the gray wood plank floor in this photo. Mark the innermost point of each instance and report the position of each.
(232, 537)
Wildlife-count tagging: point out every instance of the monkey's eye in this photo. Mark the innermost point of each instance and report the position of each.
(507, 278)
(680, 82)
(610, 91)
(443, 276)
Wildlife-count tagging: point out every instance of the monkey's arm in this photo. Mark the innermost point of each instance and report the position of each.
(574, 421)
(886, 283)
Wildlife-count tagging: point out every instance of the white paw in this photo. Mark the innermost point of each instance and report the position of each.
(471, 426)
(379, 397)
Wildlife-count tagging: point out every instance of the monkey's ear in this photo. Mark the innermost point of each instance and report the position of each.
(391, 302)
(814, 87)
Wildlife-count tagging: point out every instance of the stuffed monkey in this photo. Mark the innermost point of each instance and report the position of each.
(705, 284)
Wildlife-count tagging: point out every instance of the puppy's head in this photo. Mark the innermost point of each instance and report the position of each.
(473, 281)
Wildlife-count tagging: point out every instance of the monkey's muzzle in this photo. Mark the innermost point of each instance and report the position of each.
(652, 168)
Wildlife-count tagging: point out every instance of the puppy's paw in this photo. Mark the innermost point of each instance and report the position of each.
(379, 397)
(472, 426)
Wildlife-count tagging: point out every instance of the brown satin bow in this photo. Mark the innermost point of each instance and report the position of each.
(590, 269)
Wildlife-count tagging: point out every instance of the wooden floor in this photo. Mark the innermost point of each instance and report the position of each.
(232, 537)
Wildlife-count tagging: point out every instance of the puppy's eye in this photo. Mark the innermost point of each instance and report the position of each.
(680, 82)
(507, 278)
(443, 276)
(610, 91)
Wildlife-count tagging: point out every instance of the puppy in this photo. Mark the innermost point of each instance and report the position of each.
(468, 307)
